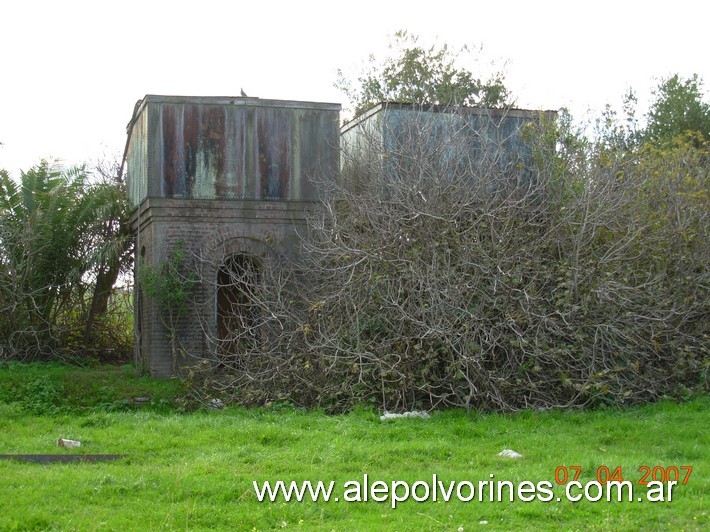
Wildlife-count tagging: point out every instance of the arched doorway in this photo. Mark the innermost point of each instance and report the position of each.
(238, 311)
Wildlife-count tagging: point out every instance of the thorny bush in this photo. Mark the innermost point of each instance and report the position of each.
(444, 272)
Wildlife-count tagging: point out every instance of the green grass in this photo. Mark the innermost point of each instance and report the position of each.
(55, 388)
(195, 471)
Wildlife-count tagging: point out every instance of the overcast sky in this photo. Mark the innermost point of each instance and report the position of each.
(72, 70)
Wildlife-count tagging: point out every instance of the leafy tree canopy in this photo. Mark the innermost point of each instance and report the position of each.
(413, 73)
(59, 234)
(678, 108)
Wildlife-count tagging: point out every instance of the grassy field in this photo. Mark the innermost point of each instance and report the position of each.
(196, 470)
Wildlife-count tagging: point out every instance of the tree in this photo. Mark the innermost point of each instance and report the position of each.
(40, 246)
(54, 253)
(679, 107)
(113, 240)
(422, 75)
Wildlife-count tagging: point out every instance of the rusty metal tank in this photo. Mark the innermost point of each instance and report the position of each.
(230, 147)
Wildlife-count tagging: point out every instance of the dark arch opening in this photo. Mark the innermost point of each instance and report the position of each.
(238, 314)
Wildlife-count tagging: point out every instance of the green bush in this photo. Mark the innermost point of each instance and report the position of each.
(51, 388)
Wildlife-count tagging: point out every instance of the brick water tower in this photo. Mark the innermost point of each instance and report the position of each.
(231, 179)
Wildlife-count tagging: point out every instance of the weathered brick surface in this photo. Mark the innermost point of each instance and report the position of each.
(211, 231)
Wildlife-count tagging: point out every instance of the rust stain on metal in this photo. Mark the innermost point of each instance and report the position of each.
(171, 150)
(190, 134)
(274, 138)
(207, 147)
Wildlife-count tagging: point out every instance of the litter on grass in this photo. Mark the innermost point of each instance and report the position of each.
(414, 413)
(215, 404)
(68, 444)
(509, 453)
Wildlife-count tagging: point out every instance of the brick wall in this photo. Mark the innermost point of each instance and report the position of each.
(211, 230)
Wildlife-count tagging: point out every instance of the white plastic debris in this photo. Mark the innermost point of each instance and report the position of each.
(216, 404)
(68, 444)
(509, 453)
(414, 413)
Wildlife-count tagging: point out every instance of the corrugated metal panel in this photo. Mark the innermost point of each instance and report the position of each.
(460, 141)
(137, 188)
(242, 148)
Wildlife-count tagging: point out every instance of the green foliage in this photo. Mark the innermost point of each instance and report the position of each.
(615, 135)
(40, 396)
(53, 243)
(421, 75)
(107, 324)
(679, 107)
(43, 221)
(168, 283)
(52, 389)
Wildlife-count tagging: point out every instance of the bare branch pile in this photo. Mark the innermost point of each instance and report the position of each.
(439, 272)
